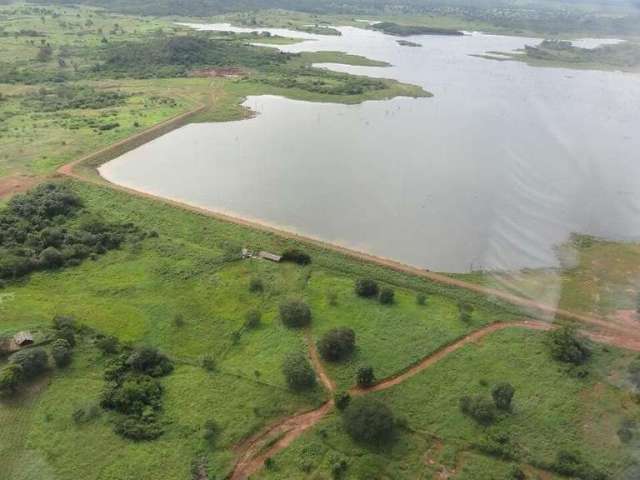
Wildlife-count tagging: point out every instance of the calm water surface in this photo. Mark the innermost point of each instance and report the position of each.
(494, 171)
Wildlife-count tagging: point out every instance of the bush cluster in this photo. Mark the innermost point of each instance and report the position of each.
(296, 256)
(566, 347)
(132, 389)
(368, 421)
(37, 232)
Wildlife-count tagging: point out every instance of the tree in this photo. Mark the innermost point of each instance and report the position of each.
(51, 257)
(33, 362)
(61, 352)
(45, 52)
(10, 378)
(337, 344)
(369, 421)
(66, 334)
(211, 431)
(387, 296)
(421, 299)
(256, 285)
(296, 256)
(108, 344)
(367, 288)
(297, 372)
(503, 395)
(365, 377)
(466, 311)
(479, 408)
(566, 347)
(295, 314)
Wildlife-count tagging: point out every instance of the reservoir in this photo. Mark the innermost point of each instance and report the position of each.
(493, 172)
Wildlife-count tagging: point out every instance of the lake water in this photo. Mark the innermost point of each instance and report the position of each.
(494, 171)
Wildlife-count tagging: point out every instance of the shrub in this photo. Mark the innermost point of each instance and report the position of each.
(51, 257)
(62, 322)
(365, 377)
(566, 347)
(367, 288)
(61, 352)
(252, 320)
(516, 473)
(479, 408)
(332, 298)
(133, 396)
(571, 464)
(138, 429)
(338, 468)
(421, 299)
(10, 378)
(256, 285)
(107, 344)
(296, 256)
(466, 311)
(208, 363)
(150, 361)
(66, 334)
(337, 344)
(342, 399)
(211, 431)
(295, 314)
(387, 296)
(33, 361)
(369, 421)
(503, 396)
(85, 414)
(178, 321)
(297, 372)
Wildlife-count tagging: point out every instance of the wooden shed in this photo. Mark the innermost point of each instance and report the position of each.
(23, 339)
(270, 256)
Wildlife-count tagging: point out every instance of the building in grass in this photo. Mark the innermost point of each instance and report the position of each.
(22, 339)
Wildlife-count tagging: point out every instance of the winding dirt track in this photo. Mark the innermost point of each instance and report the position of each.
(254, 451)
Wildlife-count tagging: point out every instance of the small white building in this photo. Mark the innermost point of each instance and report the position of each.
(270, 256)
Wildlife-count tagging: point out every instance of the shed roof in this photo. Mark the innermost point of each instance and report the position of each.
(21, 338)
(270, 256)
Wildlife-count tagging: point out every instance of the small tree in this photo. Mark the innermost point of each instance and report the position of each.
(387, 296)
(33, 362)
(295, 314)
(66, 334)
(466, 311)
(367, 288)
(365, 377)
(211, 431)
(337, 344)
(421, 299)
(108, 344)
(208, 363)
(297, 372)
(150, 361)
(61, 352)
(369, 421)
(566, 347)
(51, 257)
(503, 396)
(342, 400)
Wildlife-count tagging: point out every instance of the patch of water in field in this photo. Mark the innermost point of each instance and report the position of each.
(500, 166)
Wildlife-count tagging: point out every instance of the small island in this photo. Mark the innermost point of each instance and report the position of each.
(407, 43)
(624, 56)
(396, 29)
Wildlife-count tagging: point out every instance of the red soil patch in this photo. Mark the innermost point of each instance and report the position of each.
(9, 186)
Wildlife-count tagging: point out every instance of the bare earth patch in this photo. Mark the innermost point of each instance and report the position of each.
(9, 186)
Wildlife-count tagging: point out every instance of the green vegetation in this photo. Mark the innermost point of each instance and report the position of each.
(623, 56)
(391, 28)
(369, 421)
(298, 372)
(337, 344)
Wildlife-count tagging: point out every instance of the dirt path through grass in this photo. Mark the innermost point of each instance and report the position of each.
(255, 450)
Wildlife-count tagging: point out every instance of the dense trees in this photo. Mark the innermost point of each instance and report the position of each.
(39, 231)
(298, 372)
(368, 421)
(173, 56)
(295, 314)
(33, 362)
(337, 344)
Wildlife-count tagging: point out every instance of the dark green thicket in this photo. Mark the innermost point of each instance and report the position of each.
(567, 347)
(40, 231)
(66, 97)
(295, 314)
(133, 390)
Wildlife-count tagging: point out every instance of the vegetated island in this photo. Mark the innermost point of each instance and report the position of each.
(623, 56)
(407, 43)
(391, 28)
